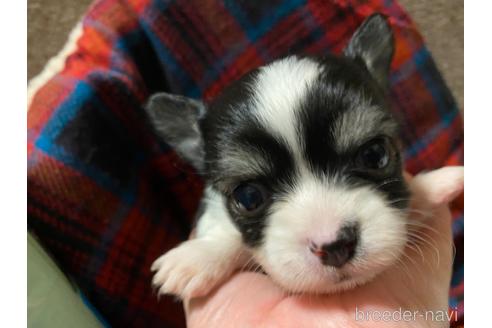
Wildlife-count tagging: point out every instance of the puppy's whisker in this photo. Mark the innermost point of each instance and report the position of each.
(399, 200)
(422, 226)
(430, 244)
(389, 181)
(432, 235)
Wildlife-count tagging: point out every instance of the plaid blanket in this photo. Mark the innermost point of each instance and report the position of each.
(106, 198)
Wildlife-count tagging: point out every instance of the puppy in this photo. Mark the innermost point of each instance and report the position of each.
(303, 172)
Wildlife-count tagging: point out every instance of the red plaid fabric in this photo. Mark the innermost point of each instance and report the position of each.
(106, 198)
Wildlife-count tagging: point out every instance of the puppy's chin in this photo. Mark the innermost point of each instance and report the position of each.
(330, 283)
(319, 215)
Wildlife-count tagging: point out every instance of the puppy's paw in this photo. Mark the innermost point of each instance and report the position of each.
(192, 269)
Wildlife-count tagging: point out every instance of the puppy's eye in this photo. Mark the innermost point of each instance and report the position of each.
(375, 155)
(249, 198)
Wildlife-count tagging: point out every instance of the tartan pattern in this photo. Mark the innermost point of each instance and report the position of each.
(106, 198)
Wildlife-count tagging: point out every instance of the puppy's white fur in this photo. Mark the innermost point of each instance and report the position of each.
(196, 266)
(315, 211)
(279, 89)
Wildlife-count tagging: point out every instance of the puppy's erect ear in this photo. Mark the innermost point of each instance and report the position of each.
(373, 43)
(176, 120)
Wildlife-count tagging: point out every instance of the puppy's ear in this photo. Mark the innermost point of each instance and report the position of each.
(176, 121)
(373, 43)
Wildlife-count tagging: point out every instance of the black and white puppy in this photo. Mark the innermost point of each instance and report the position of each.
(303, 172)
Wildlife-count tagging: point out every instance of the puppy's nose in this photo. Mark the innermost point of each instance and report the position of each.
(340, 251)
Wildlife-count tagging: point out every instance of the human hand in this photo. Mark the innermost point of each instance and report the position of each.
(413, 286)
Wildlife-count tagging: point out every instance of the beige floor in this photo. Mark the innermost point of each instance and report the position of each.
(441, 22)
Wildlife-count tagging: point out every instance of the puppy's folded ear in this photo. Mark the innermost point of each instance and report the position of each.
(176, 121)
(373, 43)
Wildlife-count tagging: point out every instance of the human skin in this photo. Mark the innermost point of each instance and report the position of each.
(417, 283)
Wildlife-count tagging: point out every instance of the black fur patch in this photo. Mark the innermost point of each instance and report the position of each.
(335, 91)
(229, 123)
(282, 169)
(344, 84)
(277, 181)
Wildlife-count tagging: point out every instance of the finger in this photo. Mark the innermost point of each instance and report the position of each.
(246, 296)
(431, 194)
(439, 187)
(429, 254)
(429, 216)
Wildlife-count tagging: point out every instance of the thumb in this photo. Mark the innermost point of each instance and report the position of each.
(429, 230)
(438, 187)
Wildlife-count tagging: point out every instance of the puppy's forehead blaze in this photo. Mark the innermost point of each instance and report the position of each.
(298, 110)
